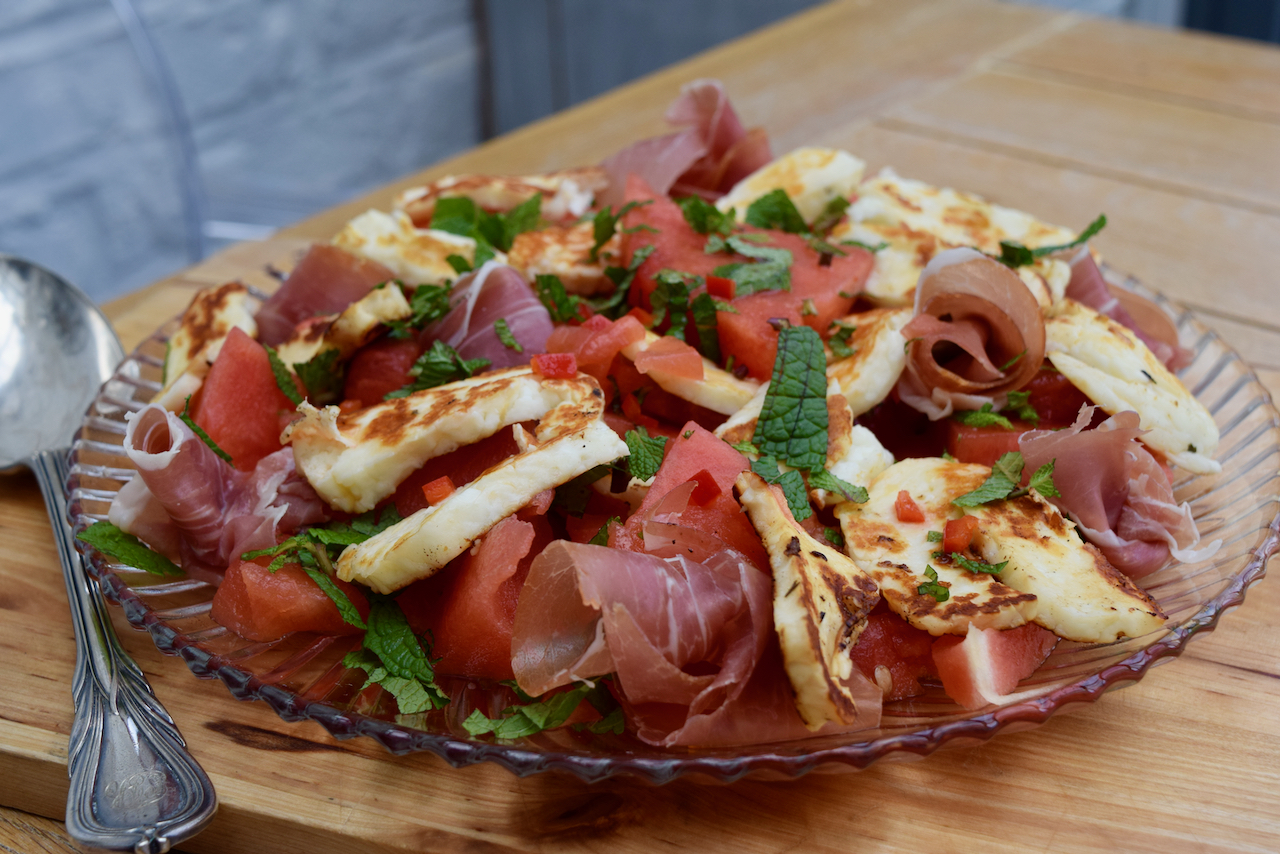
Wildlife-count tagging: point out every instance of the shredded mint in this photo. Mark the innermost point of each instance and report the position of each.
(831, 215)
(323, 376)
(460, 215)
(833, 536)
(128, 549)
(646, 452)
(934, 536)
(747, 448)
(186, 418)
(614, 305)
(791, 482)
(704, 217)
(427, 304)
(1006, 474)
(602, 536)
(933, 587)
(403, 666)
(441, 364)
(553, 711)
(823, 479)
(776, 210)
(571, 498)
(1019, 405)
(983, 417)
(839, 340)
(1014, 254)
(978, 565)
(771, 271)
(884, 244)
(605, 225)
(562, 306)
(505, 335)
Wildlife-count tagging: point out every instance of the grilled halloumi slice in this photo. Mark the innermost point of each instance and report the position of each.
(918, 221)
(416, 255)
(357, 325)
(879, 357)
(812, 177)
(1082, 597)
(718, 390)
(1117, 371)
(566, 193)
(896, 553)
(821, 600)
(565, 251)
(210, 317)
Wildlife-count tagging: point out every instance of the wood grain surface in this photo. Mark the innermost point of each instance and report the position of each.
(1175, 136)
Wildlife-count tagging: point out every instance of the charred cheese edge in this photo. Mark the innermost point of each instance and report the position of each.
(1082, 597)
(566, 193)
(1117, 371)
(416, 255)
(358, 324)
(811, 177)
(821, 601)
(718, 390)
(564, 251)
(879, 356)
(210, 317)
(896, 553)
(918, 221)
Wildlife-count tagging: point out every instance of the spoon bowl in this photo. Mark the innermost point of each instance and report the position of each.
(133, 787)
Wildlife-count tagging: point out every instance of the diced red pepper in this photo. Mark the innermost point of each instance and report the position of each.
(555, 366)
(438, 490)
(720, 287)
(959, 534)
(706, 488)
(907, 509)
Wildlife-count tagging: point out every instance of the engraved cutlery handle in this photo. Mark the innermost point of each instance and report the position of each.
(134, 786)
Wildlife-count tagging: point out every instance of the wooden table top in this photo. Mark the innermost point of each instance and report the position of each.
(1175, 136)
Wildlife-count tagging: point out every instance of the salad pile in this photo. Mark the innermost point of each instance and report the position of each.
(699, 445)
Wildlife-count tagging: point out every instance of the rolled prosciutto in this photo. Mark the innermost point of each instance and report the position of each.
(707, 158)
(1145, 318)
(1117, 492)
(692, 643)
(977, 333)
(479, 299)
(218, 512)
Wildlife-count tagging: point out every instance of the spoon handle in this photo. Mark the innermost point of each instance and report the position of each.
(134, 786)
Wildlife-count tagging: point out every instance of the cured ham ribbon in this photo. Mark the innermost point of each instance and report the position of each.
(217, 512)
(977, 332)
(1117, 492)
(1145, 318)
(326, 281)
(692, 643)
(479, 300)
(707, 158)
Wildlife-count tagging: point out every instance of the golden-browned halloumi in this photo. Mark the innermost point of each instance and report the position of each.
(1082, 597)
(566, 193)
(918, 221)
(212, 314)
(416, 255)
(821, 600)
(357, 325)
(1117, 371)
(564, 251)
(812, 177)
(896, 553)
(879, 357)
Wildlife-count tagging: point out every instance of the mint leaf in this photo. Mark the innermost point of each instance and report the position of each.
(185, 417)
(553, 711)
(323, 375)
(671, 297)
(831, 215)
(128, 549)
(776, 210)
(746, 448)
(884, 244)
(571, 498)
(772, 270)
(401, 653)
(646, 452)
(704, 217)
(978, 565)
(562, 306)
(833, 536)
(438, 366)
(934, 536)
(346, 608)
(605, 224)
(525, 216)
(791, 482)
(823, 479)
(460, 265)
(933, 587)
(602, 536)
(1014, 254)
(1019, 405)
(1042, 481)
(428, 303)
(793, 421)
(703, 310)
(284, 379)
(983, 417)
(508, 339)
(615, 305)
(1005, 476)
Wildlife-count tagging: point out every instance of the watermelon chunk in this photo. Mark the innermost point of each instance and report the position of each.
(263, 606)
(904, 651)
(984, 666)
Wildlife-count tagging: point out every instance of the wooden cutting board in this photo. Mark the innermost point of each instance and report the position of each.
(993, 98)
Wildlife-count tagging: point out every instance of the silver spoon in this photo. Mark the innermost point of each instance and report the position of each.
(134, 787)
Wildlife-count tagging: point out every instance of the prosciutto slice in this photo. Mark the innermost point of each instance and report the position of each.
(1117, 492)
(707, 158)
(1145, 318)
(217, 511)
(691, 642)
(479, 299)
(326, 281)
(977, 333)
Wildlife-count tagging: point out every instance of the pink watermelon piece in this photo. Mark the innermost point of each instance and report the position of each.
(986, 665)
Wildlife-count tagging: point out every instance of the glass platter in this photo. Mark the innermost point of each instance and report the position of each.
(302, 677)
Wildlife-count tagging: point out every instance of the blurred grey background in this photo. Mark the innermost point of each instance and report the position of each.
(141, 135)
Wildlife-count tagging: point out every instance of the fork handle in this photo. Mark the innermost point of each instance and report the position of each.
(134, 786)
